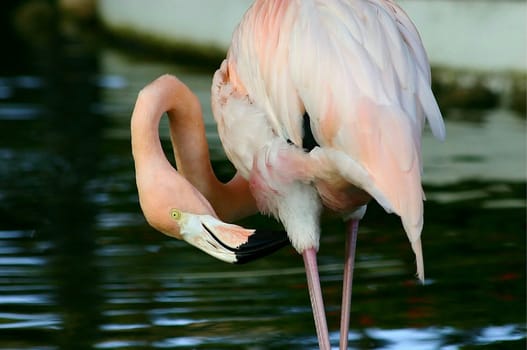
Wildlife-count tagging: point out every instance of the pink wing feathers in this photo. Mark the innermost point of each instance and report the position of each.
(358, 69)
(259, 57)
(368, 92)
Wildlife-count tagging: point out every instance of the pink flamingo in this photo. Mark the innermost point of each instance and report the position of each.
(319, 104)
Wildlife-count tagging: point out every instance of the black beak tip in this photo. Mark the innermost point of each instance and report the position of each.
(260, 244)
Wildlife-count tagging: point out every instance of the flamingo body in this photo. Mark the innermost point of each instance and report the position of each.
(359, 71)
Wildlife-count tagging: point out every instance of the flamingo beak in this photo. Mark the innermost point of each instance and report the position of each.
(227, 242)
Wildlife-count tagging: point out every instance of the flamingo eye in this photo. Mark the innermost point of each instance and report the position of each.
(175, 214)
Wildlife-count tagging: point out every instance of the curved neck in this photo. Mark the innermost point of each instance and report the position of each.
(193, 187)
(187, 130)
(160, 187)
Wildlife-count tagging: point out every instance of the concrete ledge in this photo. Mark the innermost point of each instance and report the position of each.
(469, 34)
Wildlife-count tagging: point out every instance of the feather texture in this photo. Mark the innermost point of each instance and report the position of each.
(358, 68)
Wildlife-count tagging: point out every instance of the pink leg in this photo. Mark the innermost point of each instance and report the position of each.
(315, 294)
(351, 243)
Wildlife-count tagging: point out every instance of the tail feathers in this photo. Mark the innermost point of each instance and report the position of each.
(418, 250)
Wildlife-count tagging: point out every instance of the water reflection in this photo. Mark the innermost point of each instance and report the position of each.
(65, 137)
(79, 267)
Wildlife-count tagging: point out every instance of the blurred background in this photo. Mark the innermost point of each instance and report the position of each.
(81, 269)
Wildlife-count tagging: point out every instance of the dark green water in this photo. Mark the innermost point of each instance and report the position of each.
(80, 268)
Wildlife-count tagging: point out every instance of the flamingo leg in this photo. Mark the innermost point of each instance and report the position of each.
(347, 283)
(315, 294)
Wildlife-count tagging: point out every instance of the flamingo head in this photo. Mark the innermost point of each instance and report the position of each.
(174, 207)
